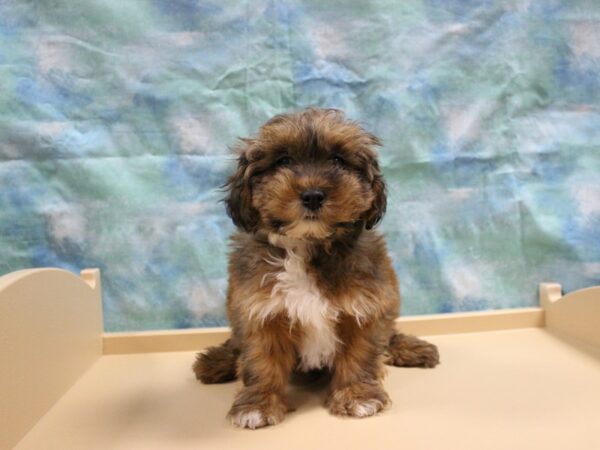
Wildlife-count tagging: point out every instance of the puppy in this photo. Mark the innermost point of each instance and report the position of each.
(311, 286)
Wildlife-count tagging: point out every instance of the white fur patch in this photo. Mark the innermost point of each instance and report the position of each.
(367, 408)
(296, 293)
(249, 419)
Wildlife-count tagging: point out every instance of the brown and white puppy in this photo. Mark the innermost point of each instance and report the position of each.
(310, 283)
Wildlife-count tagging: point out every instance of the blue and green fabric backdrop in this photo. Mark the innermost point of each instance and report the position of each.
(116, 117)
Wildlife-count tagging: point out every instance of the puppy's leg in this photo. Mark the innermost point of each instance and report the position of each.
(404, 350)
(266, 363)
(217, 364)
(356, 386)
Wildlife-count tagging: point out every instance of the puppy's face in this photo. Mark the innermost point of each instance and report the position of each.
(310, 175)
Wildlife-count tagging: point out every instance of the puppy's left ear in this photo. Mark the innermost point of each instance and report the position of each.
(379, 205)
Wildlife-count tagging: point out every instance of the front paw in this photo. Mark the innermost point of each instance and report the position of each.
(358, 400)
(254, 409)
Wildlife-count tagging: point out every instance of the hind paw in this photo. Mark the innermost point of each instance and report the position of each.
(216, 364)
(410, 351)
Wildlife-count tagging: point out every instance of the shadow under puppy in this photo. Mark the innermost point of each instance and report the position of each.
(310, 283)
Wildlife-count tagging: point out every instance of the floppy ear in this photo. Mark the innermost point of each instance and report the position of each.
(239, 198)
(378, 207)
(374, 215)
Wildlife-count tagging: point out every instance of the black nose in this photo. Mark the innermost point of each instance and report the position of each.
(313, 198)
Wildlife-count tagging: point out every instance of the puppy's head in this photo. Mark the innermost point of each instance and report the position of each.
(310, 175)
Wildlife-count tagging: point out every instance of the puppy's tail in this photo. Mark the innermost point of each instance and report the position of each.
(217, 364)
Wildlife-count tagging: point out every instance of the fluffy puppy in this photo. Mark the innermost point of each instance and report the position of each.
(311, 286)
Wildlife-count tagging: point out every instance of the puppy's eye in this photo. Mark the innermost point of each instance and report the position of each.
(284, 161)
(338, 160)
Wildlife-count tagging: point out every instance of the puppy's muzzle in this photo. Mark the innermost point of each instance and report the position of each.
(313, 199)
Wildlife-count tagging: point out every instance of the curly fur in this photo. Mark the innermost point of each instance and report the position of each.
(309, 289)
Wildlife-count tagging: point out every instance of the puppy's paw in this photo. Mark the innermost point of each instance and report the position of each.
(253, 409)
(409, 351)
(249, 418)
(217, 364)
(358, 400)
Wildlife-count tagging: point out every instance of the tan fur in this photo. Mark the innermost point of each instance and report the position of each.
(309, 289)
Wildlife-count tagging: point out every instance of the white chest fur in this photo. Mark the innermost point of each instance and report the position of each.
(296, 293)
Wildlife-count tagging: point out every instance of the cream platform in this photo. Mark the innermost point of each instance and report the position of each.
(514, 379)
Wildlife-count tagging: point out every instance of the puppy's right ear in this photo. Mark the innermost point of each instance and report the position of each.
(239, 198)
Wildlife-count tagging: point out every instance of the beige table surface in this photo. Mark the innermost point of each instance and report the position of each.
(515, 389)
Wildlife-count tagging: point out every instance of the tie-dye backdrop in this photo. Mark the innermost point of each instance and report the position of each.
(116, 115)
